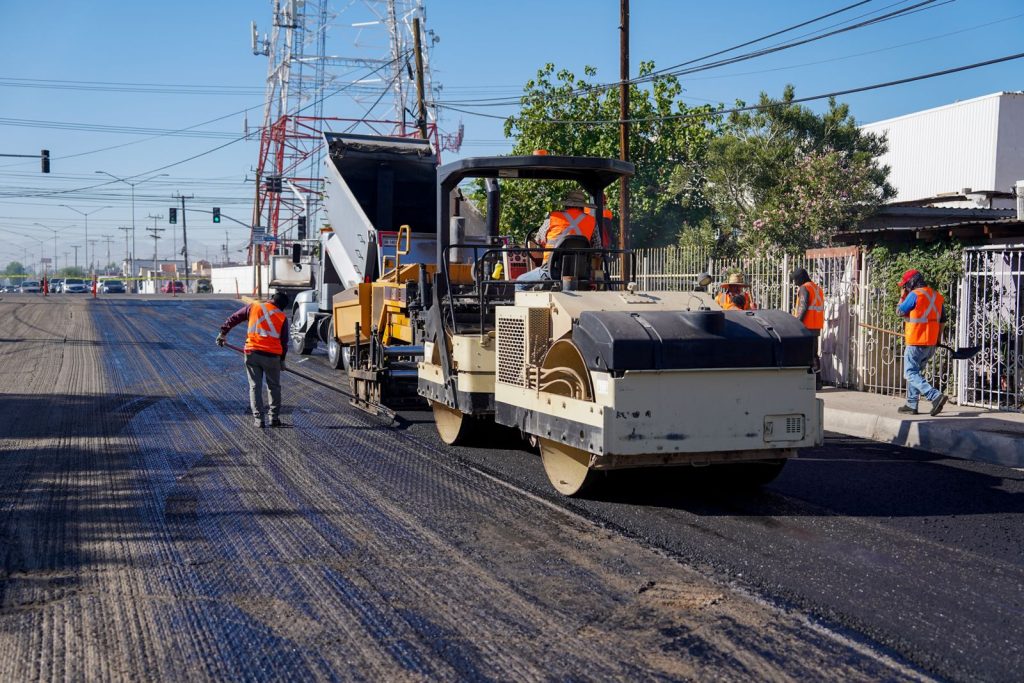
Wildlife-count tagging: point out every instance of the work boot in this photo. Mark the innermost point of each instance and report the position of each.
(907, 410)
(258, 423)
(938, 404)
(276, 422)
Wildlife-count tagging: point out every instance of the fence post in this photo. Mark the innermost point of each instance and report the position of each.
(784, 280)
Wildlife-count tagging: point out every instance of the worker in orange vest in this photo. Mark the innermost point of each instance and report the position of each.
(924, 312)
(266, 345)
(810, 310)
(733, 295)
(568, 222)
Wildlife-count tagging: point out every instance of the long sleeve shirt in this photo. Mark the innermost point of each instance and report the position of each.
(910, 302)
(242, 316)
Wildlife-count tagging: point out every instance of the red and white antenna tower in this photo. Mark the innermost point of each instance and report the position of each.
(372, 90)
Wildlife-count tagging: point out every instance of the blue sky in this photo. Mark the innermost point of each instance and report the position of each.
(486, 49)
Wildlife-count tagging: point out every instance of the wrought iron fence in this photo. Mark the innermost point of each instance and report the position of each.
(991, 317)
(985, 308)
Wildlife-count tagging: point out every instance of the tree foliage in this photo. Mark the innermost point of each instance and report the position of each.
(569, 115)
(14, 268)
(782, 176)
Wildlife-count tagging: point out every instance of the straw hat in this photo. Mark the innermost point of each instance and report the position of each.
(735, 279)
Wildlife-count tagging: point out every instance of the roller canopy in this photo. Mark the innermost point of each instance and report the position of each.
(690, 340)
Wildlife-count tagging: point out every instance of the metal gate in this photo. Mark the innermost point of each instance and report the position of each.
(990, 316)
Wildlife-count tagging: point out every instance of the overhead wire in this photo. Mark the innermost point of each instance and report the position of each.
(755, 107)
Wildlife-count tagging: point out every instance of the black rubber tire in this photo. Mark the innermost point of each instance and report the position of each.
(300, 342)
(335, 353)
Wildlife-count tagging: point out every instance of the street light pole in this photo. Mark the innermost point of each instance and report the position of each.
(44, 227)
(86, 214)
(132, 185)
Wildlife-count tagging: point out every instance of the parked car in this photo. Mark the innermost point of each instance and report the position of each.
(112, 287)
(177, 286)
(31, 287)
(9, 289)
(203, 286)
(74, 286)
(55, 284)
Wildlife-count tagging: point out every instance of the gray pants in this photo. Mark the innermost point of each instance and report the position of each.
(256, 368)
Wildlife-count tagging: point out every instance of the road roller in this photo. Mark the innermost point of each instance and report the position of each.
(600, 376)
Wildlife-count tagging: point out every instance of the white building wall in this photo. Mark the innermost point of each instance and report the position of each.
(239, 280)
(975, 144)
(1010, 151)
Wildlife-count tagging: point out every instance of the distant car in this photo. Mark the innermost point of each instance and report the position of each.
(31, 287)
(74, 286)
(177, 286)
(112, 287)
(9, 289)
(55, 284)
(203, 286)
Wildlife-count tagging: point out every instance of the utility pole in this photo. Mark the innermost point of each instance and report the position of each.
(91, 243)
(184, 236)
(156, 236)
(76, 247)
(155, 219)
(624, 135)
(127, 253)
(421, 120)
(108, 239)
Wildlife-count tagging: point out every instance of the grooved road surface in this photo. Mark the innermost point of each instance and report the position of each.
(148, 530)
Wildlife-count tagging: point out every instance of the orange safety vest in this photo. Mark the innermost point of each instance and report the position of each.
(265, 323)
(814, 318)
(922, 325)
(724, 299)
(606, 225)
(567, 223)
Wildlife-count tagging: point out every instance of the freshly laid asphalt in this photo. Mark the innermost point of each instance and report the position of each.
(148, 530)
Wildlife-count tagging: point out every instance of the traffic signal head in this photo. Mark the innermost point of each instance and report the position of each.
(216, 214)
(44, 157)
(301, 224)
(172, 215)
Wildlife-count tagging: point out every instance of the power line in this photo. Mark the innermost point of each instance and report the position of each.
(754, 107)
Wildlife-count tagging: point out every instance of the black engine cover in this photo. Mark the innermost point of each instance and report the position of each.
(684, 340)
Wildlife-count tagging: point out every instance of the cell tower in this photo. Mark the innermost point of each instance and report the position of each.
(372, 90)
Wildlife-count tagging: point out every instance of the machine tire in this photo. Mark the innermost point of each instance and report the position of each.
(568, 468)
(453, 426)
(335, 353)
(299, 340)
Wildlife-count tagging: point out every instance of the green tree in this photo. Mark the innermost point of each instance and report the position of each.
(782, 176)
(569, 115)
(71, 271)
(14, 268)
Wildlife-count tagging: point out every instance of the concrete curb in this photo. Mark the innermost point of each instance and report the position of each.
(953, 437)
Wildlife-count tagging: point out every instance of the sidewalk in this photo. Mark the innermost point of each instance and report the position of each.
(958, 432)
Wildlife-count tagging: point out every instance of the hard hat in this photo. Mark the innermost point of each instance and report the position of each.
(735, 279)
(575, 198)
(908, 276)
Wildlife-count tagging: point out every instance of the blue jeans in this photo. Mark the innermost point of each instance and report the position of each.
(914, 359)
(537, 274)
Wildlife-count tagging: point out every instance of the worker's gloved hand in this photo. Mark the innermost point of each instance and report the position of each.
(738, 300)
(221, 339)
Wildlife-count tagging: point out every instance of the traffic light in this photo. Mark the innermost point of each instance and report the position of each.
(44, 157)
(172, 215)
(274, 183)
(302, 227)
(216, 214)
